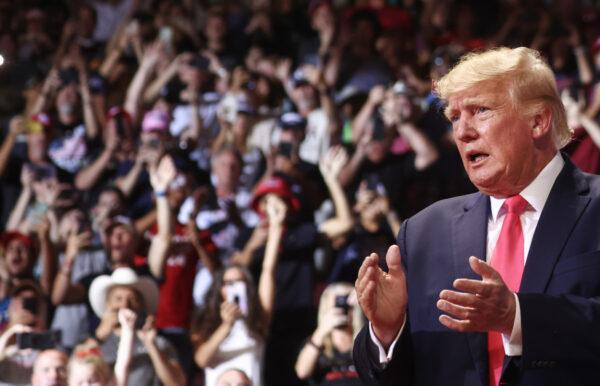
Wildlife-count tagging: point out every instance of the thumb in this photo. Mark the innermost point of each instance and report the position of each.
(393, 260)
(482, 268)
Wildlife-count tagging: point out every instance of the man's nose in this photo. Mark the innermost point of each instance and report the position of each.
(464, 130)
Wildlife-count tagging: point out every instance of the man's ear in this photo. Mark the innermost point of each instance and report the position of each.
(541, 123)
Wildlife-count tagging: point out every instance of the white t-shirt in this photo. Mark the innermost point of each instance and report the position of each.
(239, 351)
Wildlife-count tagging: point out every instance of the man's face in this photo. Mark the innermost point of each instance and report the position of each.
(495, 142)
(50, 369)
(17, 258)
(122, 244)
(227, 169)
(123, 297)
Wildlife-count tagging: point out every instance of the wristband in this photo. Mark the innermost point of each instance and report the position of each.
(160, 193)
(313, 344)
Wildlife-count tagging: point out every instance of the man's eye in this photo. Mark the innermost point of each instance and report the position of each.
(453, 118)
(481, 109)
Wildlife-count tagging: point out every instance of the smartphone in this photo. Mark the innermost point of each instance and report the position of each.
(341, 302)
(236, 293)
(39, 340)
(165, 35)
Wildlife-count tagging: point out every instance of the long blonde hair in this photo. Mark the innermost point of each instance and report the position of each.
(527, 79)
(327, 302)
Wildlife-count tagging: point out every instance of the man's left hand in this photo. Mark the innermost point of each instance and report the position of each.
(479, 305)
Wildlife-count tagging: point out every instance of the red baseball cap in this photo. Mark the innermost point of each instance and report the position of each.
(278, 186)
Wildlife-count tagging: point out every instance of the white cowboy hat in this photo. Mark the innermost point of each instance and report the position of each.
(123, 277)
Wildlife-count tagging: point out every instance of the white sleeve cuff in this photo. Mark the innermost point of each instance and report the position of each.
(384, 357)
(513, 344)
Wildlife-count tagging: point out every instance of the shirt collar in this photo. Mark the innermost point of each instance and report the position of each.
(537, 192)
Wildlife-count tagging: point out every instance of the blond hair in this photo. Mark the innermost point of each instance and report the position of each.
(527, 79)
(89, 354)
(327, 302)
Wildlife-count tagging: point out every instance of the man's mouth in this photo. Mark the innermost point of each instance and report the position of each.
(475, 158)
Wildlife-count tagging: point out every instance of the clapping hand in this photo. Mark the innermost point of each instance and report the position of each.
(479, 305)
(383, 296)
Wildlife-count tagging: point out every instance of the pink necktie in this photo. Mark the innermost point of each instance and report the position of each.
(509, 260)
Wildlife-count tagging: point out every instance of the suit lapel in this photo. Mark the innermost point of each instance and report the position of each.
(469, 237)
(563, 208)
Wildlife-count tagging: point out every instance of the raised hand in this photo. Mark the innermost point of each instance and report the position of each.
(383, 296)
(127, 319)
(333, 162)
(27, 177)
(333, 318)
(163, 174)
(230, 312)
(276, 210)
(479, 305)
(283, 70)
(148, 333)
(377, 95)
(17, 125)
(77, 241)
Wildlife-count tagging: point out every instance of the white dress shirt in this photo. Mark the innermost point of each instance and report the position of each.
(536, 194)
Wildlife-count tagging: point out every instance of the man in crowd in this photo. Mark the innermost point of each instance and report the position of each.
(529, 314)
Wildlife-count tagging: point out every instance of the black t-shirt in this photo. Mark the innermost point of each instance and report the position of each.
(338, 370)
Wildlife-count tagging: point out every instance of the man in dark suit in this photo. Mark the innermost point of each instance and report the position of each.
(501, 286)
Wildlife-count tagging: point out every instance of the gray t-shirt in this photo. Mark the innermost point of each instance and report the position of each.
(73, 319)
(141, 370)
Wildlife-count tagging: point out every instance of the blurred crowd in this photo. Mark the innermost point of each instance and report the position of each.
(188, 187)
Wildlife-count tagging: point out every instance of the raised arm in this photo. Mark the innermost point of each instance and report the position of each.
(88, 176)
(63, 291)
(48, 256)
(168, 370)
(164, 77)
(160, 178)
(331, 165)
(18, 212)
(360, 124)
(276, 213)
(133, 98)
(89, 115)
(126, 319)
(15, 127)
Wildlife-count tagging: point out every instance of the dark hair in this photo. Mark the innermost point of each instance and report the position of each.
(115, 190)
(367, 16)
(209, 318)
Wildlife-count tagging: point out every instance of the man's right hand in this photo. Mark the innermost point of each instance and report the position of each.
(383, 296)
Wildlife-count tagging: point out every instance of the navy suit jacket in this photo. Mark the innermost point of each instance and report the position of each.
(559, 295)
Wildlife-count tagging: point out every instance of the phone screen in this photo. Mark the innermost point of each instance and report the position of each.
(38, 340)
(236, 293)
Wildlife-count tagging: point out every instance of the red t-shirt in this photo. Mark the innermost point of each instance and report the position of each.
(175, 302)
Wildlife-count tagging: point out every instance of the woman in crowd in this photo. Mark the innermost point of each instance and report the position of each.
(231, 331)
(326, 358)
